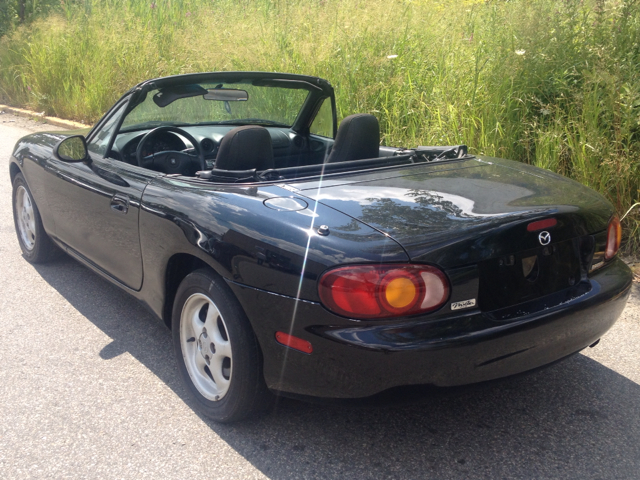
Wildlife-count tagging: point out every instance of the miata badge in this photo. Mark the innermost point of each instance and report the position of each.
(463, 304)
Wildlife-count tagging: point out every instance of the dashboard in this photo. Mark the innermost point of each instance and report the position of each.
(159, 143)
(289, 148)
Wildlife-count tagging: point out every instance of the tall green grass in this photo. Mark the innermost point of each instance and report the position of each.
(553, 83)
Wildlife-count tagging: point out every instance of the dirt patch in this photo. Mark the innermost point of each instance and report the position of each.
(31, 124)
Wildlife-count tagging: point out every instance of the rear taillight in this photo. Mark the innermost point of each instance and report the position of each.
(381, 291)
(614, 236)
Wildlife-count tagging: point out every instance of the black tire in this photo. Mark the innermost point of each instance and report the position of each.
(36, 245)
(240, 391)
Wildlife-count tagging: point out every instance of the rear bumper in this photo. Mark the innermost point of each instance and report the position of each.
(353, 359)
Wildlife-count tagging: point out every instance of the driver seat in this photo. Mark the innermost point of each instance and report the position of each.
(245, 148)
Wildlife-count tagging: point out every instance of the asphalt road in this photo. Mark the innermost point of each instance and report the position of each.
(89, 389)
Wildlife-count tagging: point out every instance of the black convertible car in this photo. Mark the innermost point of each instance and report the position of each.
(291, 255)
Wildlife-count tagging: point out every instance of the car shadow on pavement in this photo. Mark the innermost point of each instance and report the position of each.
(576, 419)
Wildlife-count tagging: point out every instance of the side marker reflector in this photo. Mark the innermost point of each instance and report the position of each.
(294, 342)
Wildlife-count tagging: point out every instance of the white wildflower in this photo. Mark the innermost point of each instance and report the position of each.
(520, 52)
(392, 56)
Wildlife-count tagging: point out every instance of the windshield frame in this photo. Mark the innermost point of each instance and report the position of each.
(319, 89)
(268, 104)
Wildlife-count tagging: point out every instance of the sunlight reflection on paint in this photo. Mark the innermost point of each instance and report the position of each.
(311, 234)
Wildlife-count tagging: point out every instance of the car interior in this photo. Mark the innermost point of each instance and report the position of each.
(232, 151)
(252, 153)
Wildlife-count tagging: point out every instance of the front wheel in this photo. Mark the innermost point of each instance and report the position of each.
(35, 244)
(218, 355)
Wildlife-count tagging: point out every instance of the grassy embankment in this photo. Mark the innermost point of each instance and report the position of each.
(554, 83)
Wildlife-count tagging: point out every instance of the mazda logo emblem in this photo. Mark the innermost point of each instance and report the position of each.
(545, 238)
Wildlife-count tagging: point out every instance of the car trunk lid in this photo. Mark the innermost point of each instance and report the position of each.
(477, 211)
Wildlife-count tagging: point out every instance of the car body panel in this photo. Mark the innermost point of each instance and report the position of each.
(30, 155)
(95, 206)
(431, 208)
(250, 243)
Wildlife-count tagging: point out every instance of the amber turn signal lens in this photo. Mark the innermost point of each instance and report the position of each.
(381, 291)
(614, 237)
(400, 293)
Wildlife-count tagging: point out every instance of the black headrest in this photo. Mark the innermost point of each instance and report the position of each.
(245, 148)
(358, 137)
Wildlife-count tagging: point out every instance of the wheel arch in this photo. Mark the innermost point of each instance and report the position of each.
(14, 170)
(178, 267)
(249, 394)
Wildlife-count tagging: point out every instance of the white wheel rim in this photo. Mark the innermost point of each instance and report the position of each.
(26, 218)
(206, 350)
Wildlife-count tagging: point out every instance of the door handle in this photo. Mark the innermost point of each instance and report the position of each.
(120, 203)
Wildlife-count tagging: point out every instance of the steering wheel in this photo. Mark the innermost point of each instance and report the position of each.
(171, 161)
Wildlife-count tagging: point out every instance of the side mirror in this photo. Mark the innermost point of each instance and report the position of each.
(72, 149)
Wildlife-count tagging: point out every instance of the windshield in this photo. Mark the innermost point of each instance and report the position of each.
(217, 103)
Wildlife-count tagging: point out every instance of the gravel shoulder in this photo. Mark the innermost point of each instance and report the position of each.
(89, 389)
(25, 123)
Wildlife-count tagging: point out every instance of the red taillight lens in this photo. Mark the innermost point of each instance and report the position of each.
(614, 237)
(370, 291)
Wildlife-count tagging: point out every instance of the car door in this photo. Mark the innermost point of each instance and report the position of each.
(96, 204)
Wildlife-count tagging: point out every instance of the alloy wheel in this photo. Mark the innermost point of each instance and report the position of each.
(26, 218)
(205, 347)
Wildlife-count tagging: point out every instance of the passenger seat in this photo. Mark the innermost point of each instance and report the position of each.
(358, 137)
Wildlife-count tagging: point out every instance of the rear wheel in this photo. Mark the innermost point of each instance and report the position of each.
(217, 352)
(35, 244)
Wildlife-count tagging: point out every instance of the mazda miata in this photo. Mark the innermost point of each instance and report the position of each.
(293, 256)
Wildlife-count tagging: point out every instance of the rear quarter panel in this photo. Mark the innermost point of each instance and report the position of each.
(232, 230)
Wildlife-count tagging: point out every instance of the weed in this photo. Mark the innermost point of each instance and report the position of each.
(553, 83)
